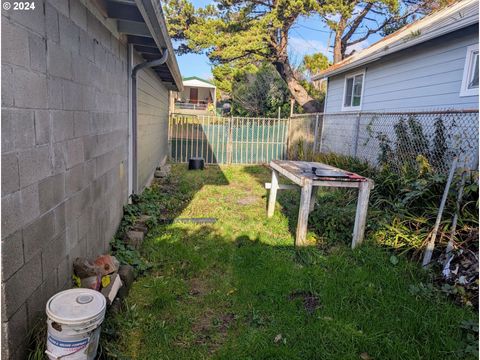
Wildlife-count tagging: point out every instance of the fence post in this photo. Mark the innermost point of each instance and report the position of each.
(357, 134)
(321, 134)
(288, 138)
(230, 140)
(315, 134)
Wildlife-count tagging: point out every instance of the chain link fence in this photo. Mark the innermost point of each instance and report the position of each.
(227, 140)
(397, 139)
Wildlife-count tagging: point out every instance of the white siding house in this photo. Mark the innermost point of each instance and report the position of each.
(430, 64)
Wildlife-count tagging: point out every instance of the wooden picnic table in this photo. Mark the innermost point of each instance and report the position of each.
(301, 174)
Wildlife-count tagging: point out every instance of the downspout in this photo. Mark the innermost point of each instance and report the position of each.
(135, 70)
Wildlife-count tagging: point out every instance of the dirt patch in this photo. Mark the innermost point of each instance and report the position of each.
(309, 299)
(197, 287)
(248, 200)
(211, 330)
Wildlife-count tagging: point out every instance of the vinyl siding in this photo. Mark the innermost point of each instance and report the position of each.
(152, 122)
(427, 76)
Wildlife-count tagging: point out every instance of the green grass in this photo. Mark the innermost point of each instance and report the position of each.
(228, 290)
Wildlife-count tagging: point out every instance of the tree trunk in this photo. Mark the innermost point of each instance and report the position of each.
(338, 46)
(308, 103)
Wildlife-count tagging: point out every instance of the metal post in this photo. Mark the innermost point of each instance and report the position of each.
(315, 134)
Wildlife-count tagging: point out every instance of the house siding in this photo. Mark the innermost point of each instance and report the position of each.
(152, 125)
(424, 77)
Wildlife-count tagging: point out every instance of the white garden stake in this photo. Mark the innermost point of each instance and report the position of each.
(431, 244)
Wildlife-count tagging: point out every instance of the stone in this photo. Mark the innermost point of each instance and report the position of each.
(134, 238)
(84, 268)
(127, 274)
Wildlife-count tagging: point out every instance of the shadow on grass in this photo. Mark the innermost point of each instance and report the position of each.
(210, 296)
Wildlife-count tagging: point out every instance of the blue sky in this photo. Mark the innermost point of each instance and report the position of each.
(309, 35)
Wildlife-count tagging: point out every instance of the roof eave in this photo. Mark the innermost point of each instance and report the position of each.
(393, 49)
(154, 19)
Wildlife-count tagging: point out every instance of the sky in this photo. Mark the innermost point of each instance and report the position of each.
(308, 35)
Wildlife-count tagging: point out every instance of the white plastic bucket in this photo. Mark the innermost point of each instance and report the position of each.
(74, 320)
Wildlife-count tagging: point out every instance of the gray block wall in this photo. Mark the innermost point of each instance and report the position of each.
(152, 123)
(64, 153)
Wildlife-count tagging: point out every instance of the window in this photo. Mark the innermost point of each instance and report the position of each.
(470, 73)
(352, 98)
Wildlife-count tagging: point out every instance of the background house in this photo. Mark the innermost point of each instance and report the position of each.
(198, 97)
(431, 63)
(68, 139)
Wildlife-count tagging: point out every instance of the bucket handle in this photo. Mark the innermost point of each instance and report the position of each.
(61, 356)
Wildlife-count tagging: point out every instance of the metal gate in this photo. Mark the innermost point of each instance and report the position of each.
(227, 140)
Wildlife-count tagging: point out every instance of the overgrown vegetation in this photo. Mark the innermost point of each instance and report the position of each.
(238, 289)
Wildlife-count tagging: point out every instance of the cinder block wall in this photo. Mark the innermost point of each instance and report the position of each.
(64, 153)
(152, 122)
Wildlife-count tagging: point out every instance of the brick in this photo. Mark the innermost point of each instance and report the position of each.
(75, 179)
(81, 123)
(38, 53)
(59, 61)
(59, 157)
(29, 203)
(81, 70)
(7, 85)
(14, 44)
(60, 5)
(53, 253)
(81, 201)
(34, 165)
(51, 22)
(55, 90)
(12, 254)
(86, 45)
(11, 213)
(30, 90)
(60, 219)
(38, 300)
(10, 175)
(42, 127)
(31, 19)
(51, 192)
(14, 333)
(75, 154)
(78, 13)
(100, 55)
(18, 130)
(62, 125)
(71, 236)
(21, 285)
(96, 29)
(69, 34)
(37, 234)
(64, 273)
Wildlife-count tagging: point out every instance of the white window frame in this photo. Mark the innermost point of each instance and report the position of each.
(348, 76)
(467, 72)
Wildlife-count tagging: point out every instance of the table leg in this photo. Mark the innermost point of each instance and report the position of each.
(313, 199)
(361, 213)
(273, 194)
(303, 214)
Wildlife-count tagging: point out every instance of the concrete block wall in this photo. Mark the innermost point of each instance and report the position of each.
(64, 153)
(152, 120)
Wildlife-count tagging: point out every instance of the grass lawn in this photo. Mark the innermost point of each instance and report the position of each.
(238, 289)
